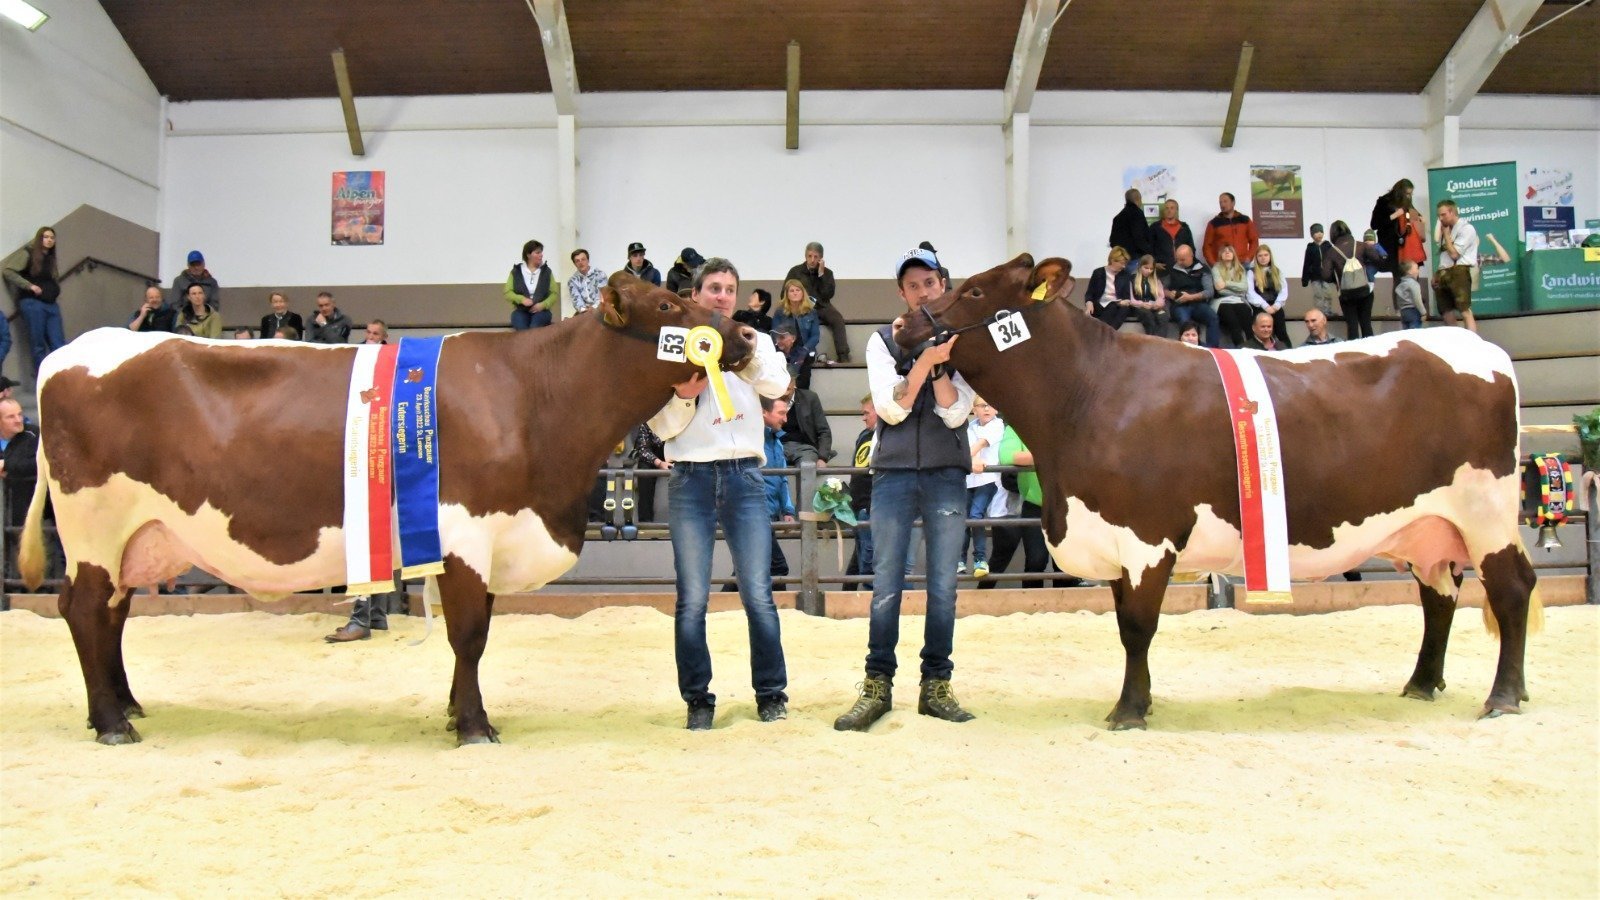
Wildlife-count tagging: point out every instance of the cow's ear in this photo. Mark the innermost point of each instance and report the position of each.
(1051, 279)
(611, 307)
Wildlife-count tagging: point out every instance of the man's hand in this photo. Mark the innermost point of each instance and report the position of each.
(36, 289)
(938, 354)
(788, 518)
(694, 387)
(321, 319)
(527, 302)
(821, 268)
(977, 466)
(663, 465)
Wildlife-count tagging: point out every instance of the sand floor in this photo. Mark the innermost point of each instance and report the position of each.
(1279, 761)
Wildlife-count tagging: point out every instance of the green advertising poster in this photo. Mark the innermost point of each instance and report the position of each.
(1487, 197)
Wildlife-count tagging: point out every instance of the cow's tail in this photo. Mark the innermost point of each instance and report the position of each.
(30, 552)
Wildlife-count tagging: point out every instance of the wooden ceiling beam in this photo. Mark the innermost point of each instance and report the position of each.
(1027, 57)
(1487, 38)
(347, 99)
(551, 17)
(1241, 77)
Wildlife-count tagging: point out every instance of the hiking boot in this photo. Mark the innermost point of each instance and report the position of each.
(877, 696)
(771, 709)
(937, 700)
(700, 716)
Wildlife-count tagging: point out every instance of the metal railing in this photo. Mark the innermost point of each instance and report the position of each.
(809, 582)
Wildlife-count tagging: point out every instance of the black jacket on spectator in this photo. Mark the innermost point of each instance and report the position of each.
(164, 318)
(271, 322)
(1311, 268)
(1130, 231)
(1388, 233)
(759, 321)
(1164, 247)
(861, 485)
(820, 288)
(22, 471)
(1097, 284)
(647, 272)
(337, 331)
(808, 425)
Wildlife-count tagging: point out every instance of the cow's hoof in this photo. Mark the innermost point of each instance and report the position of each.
(1494, 710)
(489, 737)
(115, 738)
(133, 711)
(1125, 719)
(1418, 692)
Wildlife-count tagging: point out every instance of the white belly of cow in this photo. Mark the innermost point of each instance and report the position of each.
(1473, 515)
(142, 538)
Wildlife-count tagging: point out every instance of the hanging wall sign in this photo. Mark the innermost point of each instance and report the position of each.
(357, 208)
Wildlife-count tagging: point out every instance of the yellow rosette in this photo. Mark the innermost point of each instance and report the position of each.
(705, 350)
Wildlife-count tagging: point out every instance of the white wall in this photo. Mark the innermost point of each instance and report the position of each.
(79, 123)
(470, 178)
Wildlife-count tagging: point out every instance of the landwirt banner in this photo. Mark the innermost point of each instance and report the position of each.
(1487, 197)
(358, 208)
(1277, 200)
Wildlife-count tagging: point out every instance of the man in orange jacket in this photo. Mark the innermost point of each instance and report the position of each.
(1230, 227)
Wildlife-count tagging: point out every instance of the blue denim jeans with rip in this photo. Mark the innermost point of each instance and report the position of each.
(898, 497)
(700, 495)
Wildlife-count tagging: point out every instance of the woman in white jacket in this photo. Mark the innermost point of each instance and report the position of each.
(1267, 291)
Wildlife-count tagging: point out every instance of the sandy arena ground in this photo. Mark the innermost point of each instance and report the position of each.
(1280, 761)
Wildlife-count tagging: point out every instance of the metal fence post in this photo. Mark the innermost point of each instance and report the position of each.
(1219, 592)
(810, 599)
(1591, 541)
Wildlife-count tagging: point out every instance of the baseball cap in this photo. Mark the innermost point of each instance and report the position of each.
(635, 247)
(915, 255)
(7, 383)
(196, 256)
(928, 246)
(690, 257)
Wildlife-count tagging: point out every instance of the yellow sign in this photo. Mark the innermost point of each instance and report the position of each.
(1591, 254)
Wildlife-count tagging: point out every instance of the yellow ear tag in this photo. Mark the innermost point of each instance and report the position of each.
(705, 350)
(1039, 292)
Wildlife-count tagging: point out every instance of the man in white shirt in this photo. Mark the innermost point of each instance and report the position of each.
(1458, 256)
(920, 467)
(716, 476)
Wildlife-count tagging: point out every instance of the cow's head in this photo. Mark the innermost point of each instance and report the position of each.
(1013, 288)
(639, 309)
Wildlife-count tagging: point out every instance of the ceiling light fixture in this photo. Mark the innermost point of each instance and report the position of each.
(23, 13)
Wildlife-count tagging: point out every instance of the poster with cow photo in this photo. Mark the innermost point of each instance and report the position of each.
(1155, 184)
(357, 209)
(1277, 201)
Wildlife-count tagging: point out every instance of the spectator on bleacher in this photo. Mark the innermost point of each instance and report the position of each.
(806, 433)
(377, 332)
(1390, 218)
(287, 333)
(1413, 249)
(196, 317)
(19, 447)
(242, 334)
(1314, 274)
(817, 281)
(1129, 230)
(1190, 289)
(861, 496)
(154, 314)
(795, 356)
(1035, 552)
(1317, 329)
(797, 308)
(716, 477)
(650, 452)
(1268, 291)
(1262, 336)
(280, 317)
(33, 277)
(984, 433)
(1229, 226)
(780, 504)
(756, 310)
(639, 267)
(1147, 297)
(528, 289)
(680, 276)
(1108, 298)
(1355, 299)
(330, 325)
(196, 273)
(585, 284)
(1167, 234)
(1229, 280)
(1408, 297)
(1189, 333)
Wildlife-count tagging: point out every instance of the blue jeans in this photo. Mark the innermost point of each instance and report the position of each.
(1199, 311)
(1409, 318)
(44, 328)
(898, 496)
(5, 340)
(523, 318)
(978, 500)
(699, 495)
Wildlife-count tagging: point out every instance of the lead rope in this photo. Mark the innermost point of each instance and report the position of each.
(430, 593)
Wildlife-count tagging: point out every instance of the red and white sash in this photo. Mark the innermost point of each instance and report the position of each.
(368, 520)
(1263, 520)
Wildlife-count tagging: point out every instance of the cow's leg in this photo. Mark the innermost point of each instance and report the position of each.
(1138, 613)
(96, 633)
(119, 673)
(1508, 581)
(1438, 611)
(467, 604)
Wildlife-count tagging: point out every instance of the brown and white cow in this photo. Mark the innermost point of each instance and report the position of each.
(1403, 446)
(161, 452)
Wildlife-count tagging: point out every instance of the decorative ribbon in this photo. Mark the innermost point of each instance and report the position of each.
(1264, 524)
(416, 455)
(368, 523)
(705, 349)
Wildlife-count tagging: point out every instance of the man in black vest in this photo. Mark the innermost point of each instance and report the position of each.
(920, 467)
